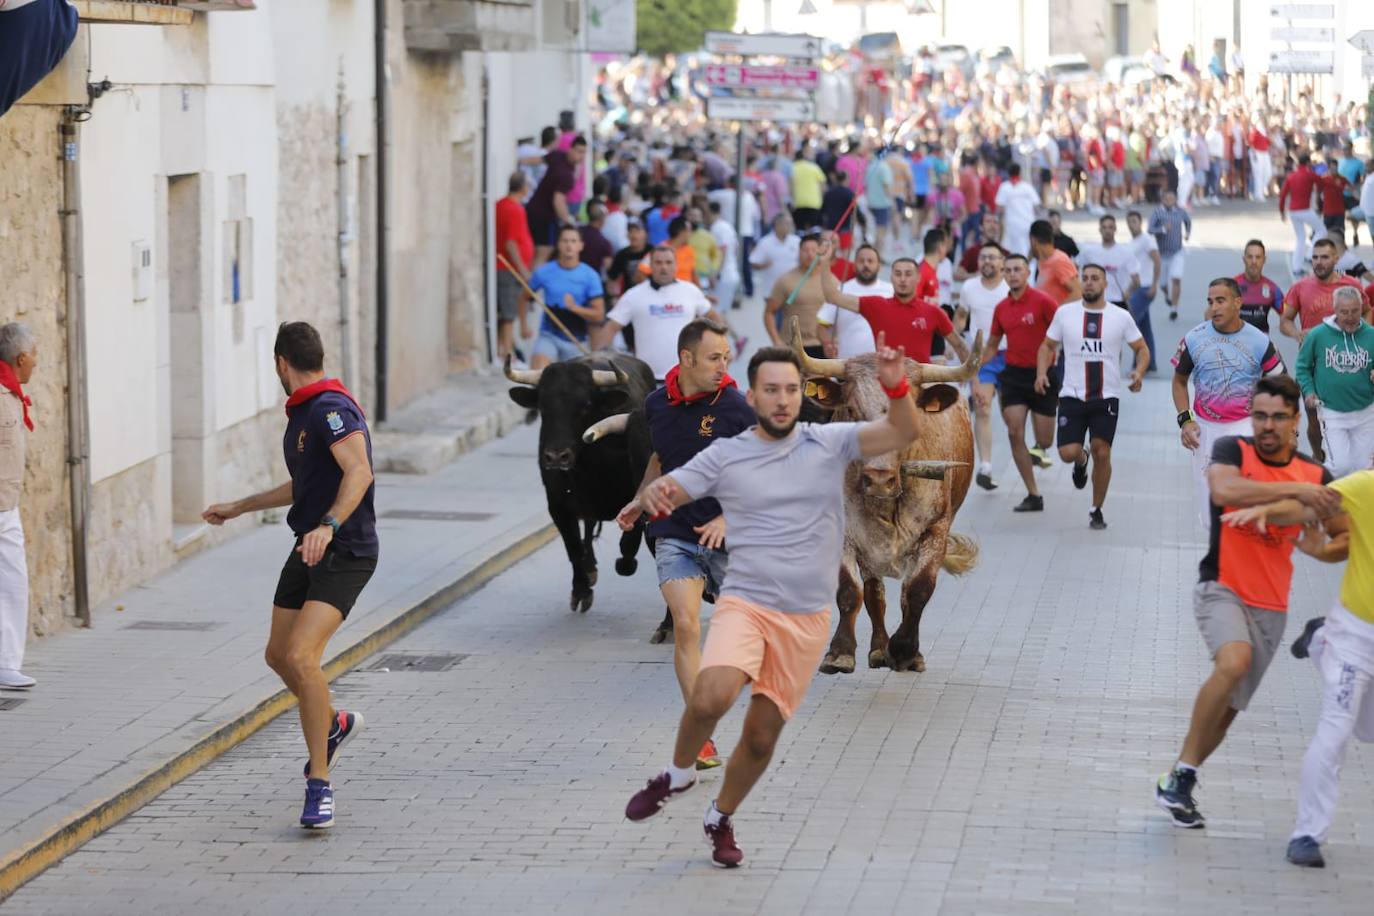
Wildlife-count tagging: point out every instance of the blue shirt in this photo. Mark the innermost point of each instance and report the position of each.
(312, 430)
(1352, 170)
(554, 281)
(920, 174)
(1224, 369)
(656, 225)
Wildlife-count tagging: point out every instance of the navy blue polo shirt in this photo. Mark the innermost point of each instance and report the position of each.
(678, 432)
(312, 429)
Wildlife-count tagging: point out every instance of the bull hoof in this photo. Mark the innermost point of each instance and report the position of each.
(626, 566)
(917, 664)
(877, 659)
(837, 664)
(591, 577)
(580, 603)
(661, 635)
(920, 663)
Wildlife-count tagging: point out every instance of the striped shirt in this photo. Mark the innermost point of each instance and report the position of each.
(1166, 225)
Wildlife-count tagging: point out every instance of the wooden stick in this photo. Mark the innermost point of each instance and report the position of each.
(792, 296)
(547, 311)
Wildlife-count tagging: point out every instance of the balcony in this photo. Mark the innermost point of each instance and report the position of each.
(454, 26)
(153, 12)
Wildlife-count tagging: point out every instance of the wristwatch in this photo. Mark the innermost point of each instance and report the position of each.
(1185, 417)
(331, 521)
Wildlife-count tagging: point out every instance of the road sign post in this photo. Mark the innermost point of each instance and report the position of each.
(767, 44)
(742, 108)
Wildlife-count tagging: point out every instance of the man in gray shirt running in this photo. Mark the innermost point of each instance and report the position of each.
(779, 484)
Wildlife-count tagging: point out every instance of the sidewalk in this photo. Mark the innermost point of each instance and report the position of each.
(158, 689)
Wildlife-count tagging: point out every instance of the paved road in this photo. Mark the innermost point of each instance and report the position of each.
(1013, 776)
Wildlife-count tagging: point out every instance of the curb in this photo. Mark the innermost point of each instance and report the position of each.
(28, 862)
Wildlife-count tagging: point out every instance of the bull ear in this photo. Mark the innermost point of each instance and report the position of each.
(616, 400)
(820, 398)
(527, 398)
(937, 398)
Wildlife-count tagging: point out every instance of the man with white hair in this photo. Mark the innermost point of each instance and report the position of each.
(1336, 373)
(18, 356)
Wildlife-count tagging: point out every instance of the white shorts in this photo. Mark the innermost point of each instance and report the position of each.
(1171, 266)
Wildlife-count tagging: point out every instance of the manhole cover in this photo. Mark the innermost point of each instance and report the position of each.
(426, 663)
(171, 625)
(9, 702)
(432, 515)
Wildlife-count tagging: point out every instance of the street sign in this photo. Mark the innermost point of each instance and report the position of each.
(763, 77)
(1364, 41)
(1367, 70)
(1318, 34)
(1302, 11)
(611, 26)
(766, 44)
(738, 108)
(1302, 61)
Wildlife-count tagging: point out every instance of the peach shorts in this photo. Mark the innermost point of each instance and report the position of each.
(778, 651)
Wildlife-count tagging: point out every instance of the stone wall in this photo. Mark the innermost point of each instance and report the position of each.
(32, 291)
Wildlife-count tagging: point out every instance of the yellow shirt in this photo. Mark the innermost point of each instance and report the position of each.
(1357, 585)
(808, 183)
(707, 252)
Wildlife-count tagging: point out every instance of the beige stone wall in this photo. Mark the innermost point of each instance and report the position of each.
(31, 290)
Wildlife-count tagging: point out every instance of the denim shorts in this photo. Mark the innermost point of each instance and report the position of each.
(678, 559)
(555, 346)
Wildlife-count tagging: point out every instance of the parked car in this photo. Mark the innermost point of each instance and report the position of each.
(880, 46)
(956, 56)
(1070, 69)
(1115, 67)
(994, 58)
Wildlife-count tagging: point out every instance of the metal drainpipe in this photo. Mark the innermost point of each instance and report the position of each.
(381, 83)
(74, 316)
(486, 195)
(345, 235)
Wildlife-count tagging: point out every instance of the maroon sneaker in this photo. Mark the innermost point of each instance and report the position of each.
(724, 852)
(649, 800)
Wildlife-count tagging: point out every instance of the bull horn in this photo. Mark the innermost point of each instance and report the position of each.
(522, 376)
(812, 367)
(605, 427)
(931, 374)
(604, 378)
(930, 470)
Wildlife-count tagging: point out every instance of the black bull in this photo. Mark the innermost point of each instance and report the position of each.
(589, 479)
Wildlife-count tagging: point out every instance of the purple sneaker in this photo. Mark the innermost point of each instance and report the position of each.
(725, 853)
(649, 800)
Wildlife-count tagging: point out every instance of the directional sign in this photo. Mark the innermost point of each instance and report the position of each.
(1294, 61)
(767, 44)
(1312, 33)
(737, 108)
(1367, 66)
(763, 77)
(1302, 11)
(1364, 41)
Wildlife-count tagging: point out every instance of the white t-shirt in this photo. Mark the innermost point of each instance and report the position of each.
(616, 229)
(1018, 201)
(780, 256)
(1119, 260)
(853, 333)
(1092, 341)
(980, 302)
(944, 275)
(658, 316)
(728, 243)
(1141, 246)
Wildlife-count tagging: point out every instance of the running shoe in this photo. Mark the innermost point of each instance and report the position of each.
(319, 804)
(1095, 520)
(1173, 314)
(985, 481)
(1174, 793)
(346, 725)
(1080, 474)
(1303, 642)
(1041, 460)
(708, 758)
(1305, 851)
(650, 800)
(721, 838)
(1030, 504)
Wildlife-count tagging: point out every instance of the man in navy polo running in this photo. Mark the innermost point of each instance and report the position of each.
(328, 453)
(698, 404)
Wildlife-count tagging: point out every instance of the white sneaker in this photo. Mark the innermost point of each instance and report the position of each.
(14, 679)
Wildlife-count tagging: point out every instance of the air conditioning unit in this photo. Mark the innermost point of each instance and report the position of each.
(143, 271)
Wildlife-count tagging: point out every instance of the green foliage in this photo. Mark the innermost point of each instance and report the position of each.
(676, 26)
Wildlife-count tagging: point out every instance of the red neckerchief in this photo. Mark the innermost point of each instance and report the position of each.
(10, 381)
(306, 392)
(675, 396)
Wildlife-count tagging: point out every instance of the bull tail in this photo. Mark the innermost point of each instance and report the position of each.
(961, 554)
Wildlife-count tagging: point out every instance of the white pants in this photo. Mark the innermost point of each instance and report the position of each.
(1186, 179)
(1349, 439)
(1301, 221)
(1016, 238)
(1202, 460)
(14, 591)
(1261, 173)
(726, 285)
(1342, 651)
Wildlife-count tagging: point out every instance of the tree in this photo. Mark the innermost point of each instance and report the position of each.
(675, 26)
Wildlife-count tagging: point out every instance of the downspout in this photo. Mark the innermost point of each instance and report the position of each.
(382, 85)
(345, 221)
(487, 209)
(74, 316)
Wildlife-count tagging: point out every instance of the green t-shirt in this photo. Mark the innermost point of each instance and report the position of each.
(1336, 366)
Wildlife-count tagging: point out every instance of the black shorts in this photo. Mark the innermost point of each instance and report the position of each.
(1046, 176)
(336, 580)
(1081, 419)
(542, 231)
(920, 201)
(1016, 388)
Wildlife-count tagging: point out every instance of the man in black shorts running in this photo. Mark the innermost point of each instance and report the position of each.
(329, 456)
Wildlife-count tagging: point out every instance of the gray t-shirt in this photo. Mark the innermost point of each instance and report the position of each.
(784, 511)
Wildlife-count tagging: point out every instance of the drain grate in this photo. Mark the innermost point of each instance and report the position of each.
(419, 663)
(9, 703)
(433, 515)
(195, 625)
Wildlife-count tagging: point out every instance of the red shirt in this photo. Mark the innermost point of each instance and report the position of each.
(911, 324)
(1259, 141)
(990, 185)
(1297, 189)
(1312, 298)
(1023, 322)
(512, 226)
(928, 285)
(1333, 194)
(843, 269)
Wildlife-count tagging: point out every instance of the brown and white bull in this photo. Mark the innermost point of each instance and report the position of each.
(898, 507)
